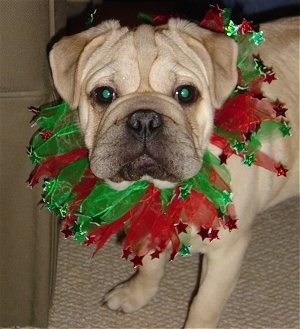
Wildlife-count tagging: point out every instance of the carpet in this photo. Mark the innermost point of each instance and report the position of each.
(266, 296)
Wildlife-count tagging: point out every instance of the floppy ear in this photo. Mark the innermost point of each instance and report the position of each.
(218, 54)
(68, 56)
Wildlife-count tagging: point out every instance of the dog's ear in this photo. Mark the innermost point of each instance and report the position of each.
(218, 54)
(69, 55)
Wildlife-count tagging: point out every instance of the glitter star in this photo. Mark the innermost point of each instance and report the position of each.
(203, 232)
(227, 197)
(269, 77)
(155, 254)
(230, 223)
(281, 171)
(231, 29)
(223, 158)
(137, 261)
(126, 253)
(181, 227)
(258, 95)
(185, 191)
(172, 257)
(80, 237)
(208, 233)
(257, 38)
(90, 240)
(249, 159)
(239, 147)
(216, 9)
(248, 135)
(246, 26)
(259, 65)
(213, 234)
(185, 251)
(279, 108)
(46, 134)
(67, 232)
(285, 129)
(34, 158)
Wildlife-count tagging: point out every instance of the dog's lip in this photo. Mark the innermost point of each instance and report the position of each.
(143, 165)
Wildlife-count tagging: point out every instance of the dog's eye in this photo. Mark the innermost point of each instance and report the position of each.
(186, 94)
(103, 95)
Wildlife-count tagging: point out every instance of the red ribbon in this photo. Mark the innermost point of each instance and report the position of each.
(52, 166)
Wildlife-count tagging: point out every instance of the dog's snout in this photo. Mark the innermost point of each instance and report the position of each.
(144, 124)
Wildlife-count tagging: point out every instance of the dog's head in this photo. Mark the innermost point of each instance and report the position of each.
(146, 97)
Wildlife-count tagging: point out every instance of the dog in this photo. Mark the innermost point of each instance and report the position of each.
(146, 99)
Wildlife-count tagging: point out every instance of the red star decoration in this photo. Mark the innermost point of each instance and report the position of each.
(246, 26)
(67, 232)
(181, 227)
(269, 77)
(137, 261)
(203, 233)
(172, 257)
(46, 134)
(155, 254)
(90, 239)
(208, 233)
(160, 19)
(213, 234)
(258, 95)
(279, 109)
(126, 253)
(247, 135)
(216, 9)
(281, 171)
(223, 158)
(231, 223)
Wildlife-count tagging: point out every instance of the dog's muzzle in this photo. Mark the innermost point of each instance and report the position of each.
(144, 137)
(144, 126)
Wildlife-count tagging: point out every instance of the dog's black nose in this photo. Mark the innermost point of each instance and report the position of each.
(144, 124)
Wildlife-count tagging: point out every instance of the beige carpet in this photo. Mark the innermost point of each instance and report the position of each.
(267, 295)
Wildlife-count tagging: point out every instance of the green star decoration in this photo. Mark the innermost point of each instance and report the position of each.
(285, 129)
(35, 159)
(231, 29)
(257, 38)
(185, 191)
(227, 197)
(49, 185)
(249, 159)
(84, 224)
(63, 210)
(185, 250)
(259, 65)
(80, 237)
(239, 147)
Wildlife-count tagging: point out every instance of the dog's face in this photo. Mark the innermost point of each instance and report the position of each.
(146, 97)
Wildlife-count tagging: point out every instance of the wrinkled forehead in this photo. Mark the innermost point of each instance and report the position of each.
(113, 63)
(142, 59)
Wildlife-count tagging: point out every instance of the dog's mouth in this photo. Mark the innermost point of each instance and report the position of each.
(141, 167)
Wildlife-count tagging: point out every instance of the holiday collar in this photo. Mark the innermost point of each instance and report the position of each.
(153, 219)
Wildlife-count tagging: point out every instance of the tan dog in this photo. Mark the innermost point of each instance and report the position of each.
(146, 100)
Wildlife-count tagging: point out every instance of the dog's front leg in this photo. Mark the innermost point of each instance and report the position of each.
(220, 271)
(139, 289)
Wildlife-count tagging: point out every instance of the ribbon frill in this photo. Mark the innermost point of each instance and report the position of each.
(153, 218)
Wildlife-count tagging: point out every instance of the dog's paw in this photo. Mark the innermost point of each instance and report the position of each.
(129, 297)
